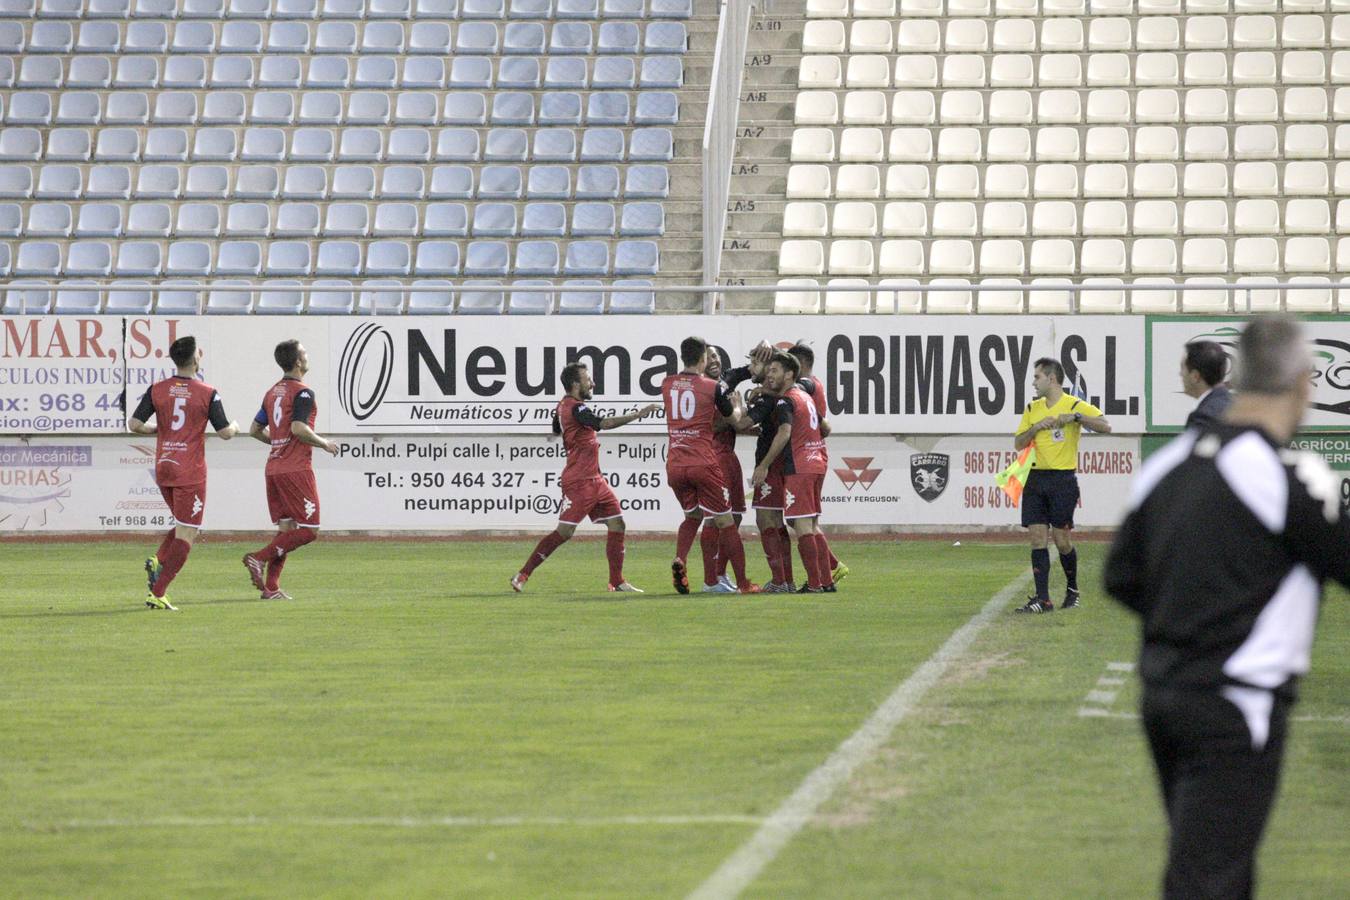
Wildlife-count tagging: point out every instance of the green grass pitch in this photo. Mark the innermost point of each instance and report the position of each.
(407, 726)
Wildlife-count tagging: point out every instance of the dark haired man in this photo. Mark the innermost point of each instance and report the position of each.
(286, 423)
(585, 492)
(182, 406)
(692, 401)
(1053, 421)
(806, 361)
(1202, 370)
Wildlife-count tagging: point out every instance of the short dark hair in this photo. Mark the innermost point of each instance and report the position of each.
(692, 350)
(787, 361)
(1053, 366)
(287, 354)
(1208, 359)
(1273, 356)
(183, 350)
(571, 375)
(803, 353)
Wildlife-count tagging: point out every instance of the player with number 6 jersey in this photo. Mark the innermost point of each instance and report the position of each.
(182, 406)
(692, 401)
(286, 423)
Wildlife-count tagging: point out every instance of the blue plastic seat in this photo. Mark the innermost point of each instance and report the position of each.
(657, 108)
(424, 72)
(457, 145)
(487, 258)
(330, 303)
(537, 258)
(519, 72)
(136, 258)
(597, 182)
(577, 9)
(512, 108)
(593, 220)
(409, 145)
(288, 258)
(494, 220)
(587, 258)
(623, 9)
(500, 183)
(560, 109)
(471, 72)
(481, 302)
(555, 145)
(607, 108)
(602, 145)
(239, 258)
(671, 9)
(647, 181)
(339, 258)
(642, 220)
(572, 37)
(226, 303)
(432, 38)
(507, 145)
(435, 302)
(530, 303)
(428, 9)
(544, 220)
(451, 183)
(614, 73)
(465, 109)
(482, 9)
(566, 73)
(618, 38)
(529, 9)
(549, 183)
(586, 301)
(437, 258)
(446, 220)
(352, 183)
(632, 302)
(665, 37)
(388, 258)
(476, 38)
(523, 39)
(655, 144)
(189, 258)
(636, 258)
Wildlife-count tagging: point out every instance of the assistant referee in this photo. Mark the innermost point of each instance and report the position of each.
(1054, 421)
(1223, 556)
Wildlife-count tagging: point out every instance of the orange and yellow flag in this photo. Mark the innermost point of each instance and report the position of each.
(1014, 478)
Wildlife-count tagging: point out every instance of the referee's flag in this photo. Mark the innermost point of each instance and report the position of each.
(1014, 478)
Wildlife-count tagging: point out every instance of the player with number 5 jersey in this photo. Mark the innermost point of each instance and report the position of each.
(286, 423)
(692, 401)
(182, 406)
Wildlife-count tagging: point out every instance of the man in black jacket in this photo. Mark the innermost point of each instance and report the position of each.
(1223, 555)
(1202, 371)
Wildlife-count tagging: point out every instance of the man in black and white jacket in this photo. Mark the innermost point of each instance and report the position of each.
(1223, 555)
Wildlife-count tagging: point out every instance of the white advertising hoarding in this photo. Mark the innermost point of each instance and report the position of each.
(489, 482)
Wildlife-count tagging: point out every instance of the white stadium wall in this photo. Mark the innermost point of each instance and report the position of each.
(444, 425)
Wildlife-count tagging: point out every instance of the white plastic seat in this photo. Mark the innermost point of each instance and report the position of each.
(1155, 180)
(1256, 296)
(1009, 181)
(1105, 218)
(1053, 256)
(1057, 144)
(1205, 217)
(1059, 107)
(899, 295)
(1108, 106)
(1010, 108)
(1156, 142)
(951, 257)
(1255, 179)
(799, 299)
(1050, 298)
(812, 145)
(1206, 68)
(1011, 70)
(1205, 180)
(799, 257)
(1002, 257)
(1301, 142)
(1054, 218)
(1108, 70)
(803, 218)
(1062, 36)
(954, 218)
(862, 145)
(904, 219)
(1208, 142)
(963, 71)
(1153, 256)
(1256, 254)
(1015, 36)
(1206, 105)
(851, 258)
(1103, 256)
(958, 145)
(1204, 255)
(915, 71)
(911, 145)
(948, 298)
(808, 182)
(901, 257)
(864, 108)
(956, 181)
(1107, 142)
(1055, 180)
(913, 108)
(1307, 254)
(1205, 296)
(1060, 70)
(999, 296)
(1004, 219)
(1316, 300)
(857, 181)
(854, 219)
(1302, 31)
(1157, 105)
(869, 36)
(1309, 179)
(1009, 145)
(1255, 68)
(823, 37)
(820, 71)
(816, 108)
(857, 302)
(1307, 216)
(913, 36)
(1206, 33)
(1257, 217)
(908, 181)
(1256, 105)
(868, 71)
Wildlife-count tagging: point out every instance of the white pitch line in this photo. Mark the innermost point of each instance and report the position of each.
(393, 821)
(1106, 698)
(743, 866)
(1120, 667)
(1104, 681)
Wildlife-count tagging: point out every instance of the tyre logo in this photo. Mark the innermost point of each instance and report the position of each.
(365, 370)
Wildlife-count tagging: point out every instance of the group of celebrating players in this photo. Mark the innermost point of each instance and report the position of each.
(704, 414)
(182, 406)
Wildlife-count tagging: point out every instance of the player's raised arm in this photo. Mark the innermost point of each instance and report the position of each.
(144, 410)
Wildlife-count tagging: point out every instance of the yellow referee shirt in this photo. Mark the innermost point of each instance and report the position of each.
(1057, 448)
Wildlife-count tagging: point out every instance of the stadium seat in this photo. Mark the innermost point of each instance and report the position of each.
(481, 302)
(804, 300)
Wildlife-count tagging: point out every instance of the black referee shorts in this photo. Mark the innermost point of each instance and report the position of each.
(1050, 498)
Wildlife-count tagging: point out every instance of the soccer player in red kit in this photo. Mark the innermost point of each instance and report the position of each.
(182, 406)
(806, 360)
(692, 400)
(286, 422)
(585, 491)
(724, 445)
(800, 440)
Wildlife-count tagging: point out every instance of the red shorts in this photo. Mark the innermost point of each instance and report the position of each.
(592, 497)
(735, 479)
(700, 487)
(802, 495)
(187, 502)
(769, 495)
(295, 496)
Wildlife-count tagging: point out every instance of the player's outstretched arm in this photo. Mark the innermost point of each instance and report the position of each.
(305, 435)
(620, 421)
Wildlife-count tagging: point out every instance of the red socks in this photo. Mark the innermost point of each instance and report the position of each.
(552, 541)
(708, 541)
(171, 559)
(785, 542)
(164, 544)
(684, 538)
(614, 553)
(815, 558)
(734, 552)
(829, 554)
(769, 540)
(274, 567)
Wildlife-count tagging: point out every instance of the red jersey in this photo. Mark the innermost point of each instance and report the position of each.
(692, 402)
(817, 393)
(576, 423)
(724, 439)
(289, 400)
(182, 407)
(806, 451)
